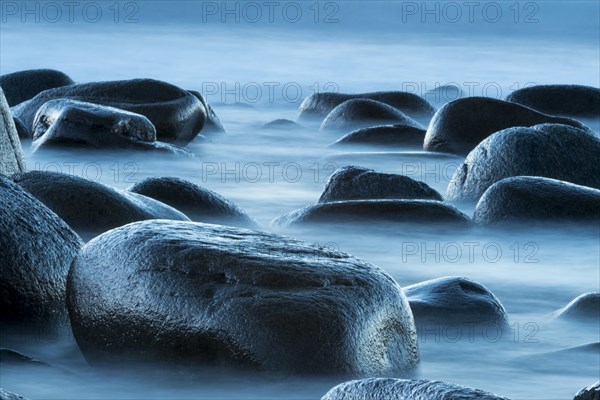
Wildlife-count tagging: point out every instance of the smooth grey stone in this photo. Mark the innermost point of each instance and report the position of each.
(567, 100)
(177, 115)
(549, 150)
(198, 203)
(91, 207)
(318, 105)
(362, 113)
(525, 199)
(459, 126)
(373, 212)
(356, 183)
(450, 301)
(21, 86)
(36, 249)
(384, 136)
(185, 292)
(584, 308)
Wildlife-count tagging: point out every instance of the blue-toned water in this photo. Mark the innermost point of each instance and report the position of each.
(254, 70)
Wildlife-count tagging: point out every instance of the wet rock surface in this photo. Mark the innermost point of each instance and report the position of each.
(90, 207)
(591, 392)
(455, 301)
(403, 389)
(584, 308)
(375, 211)
(36, 249)
(69, 123)
(385, 136)
(11, 154)
(198, 203)
(549, 150)
(356, 183)
(213, 125)
(361, 113)
(523, 199)
(459, 126)
(319, 105)
(167, 291)
(6, 395)
(21, 86)
(566, 100)
(177, 115)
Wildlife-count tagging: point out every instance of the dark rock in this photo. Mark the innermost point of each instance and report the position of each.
(567, 100)
(455, 301)
(548, 150)
(198, 203)
(318, 105)
(36, 249)
(184, 292)
(385, 136)
(360, 113)
(177, 115)
(11, 154)
(282, 124)
(6, 395)
(70, 122)
(403, 389)
(461, 125)
(368, 212)
(355, 183)
(213, 124)
(523, 199)
(90, 207)
(24, 85)
(585, 308)
(589, 393)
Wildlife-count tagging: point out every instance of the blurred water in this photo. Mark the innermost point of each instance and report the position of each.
(372, 46)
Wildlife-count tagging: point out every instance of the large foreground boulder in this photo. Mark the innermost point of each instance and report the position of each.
(526, 199)
(36, 249)
(360, 113)
(385, 136)
(24, 85)
(11, 154)
(403, 389)
(318, 105)
(461, 125)
(584, 308)
(167, 291)
(567, 100)
(198, 203)
(356, 183)
(90, 207)
(591, 392)
(177, 115)
(373, 212)
(549, 150)
(457, 302)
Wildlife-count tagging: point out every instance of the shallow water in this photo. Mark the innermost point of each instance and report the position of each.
(532, 271)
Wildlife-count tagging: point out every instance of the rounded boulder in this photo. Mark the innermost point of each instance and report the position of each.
(184, 292)
(459, 126)
(554, 151)
(356, 183)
